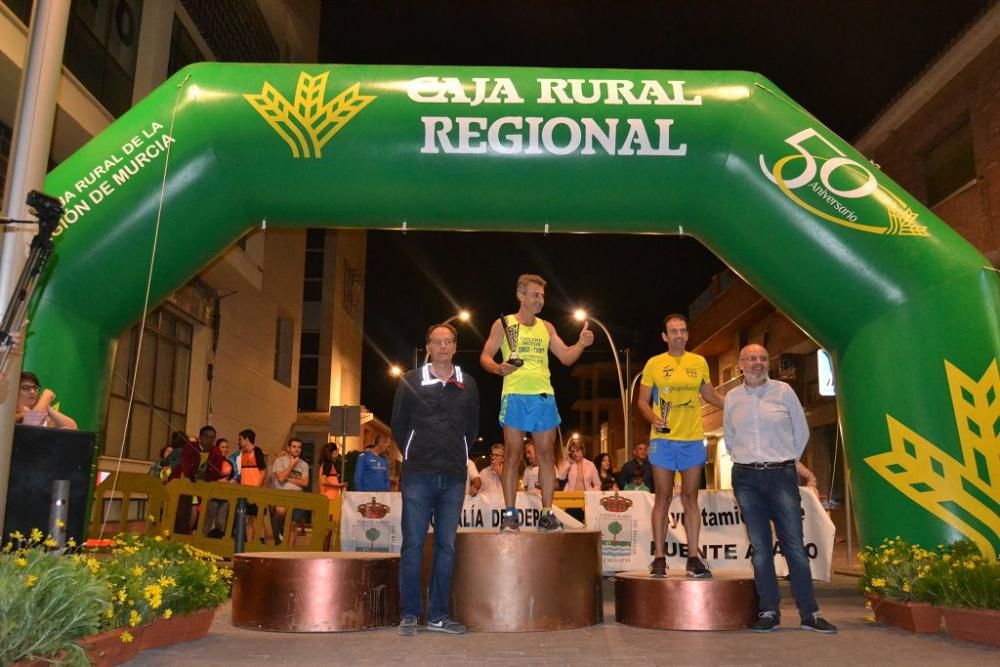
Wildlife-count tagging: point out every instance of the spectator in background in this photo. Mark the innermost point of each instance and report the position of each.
(492, 476)
(288, 473)
(640, 472)
(329, 479)
(640, 456)
(249, 469)
(473, 481)
(605, 473)
(530, 479)
(578, 472)
(371, 472)
(34, 406)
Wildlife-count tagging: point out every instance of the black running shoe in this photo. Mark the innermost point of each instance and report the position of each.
(658, 568)
(697, 569)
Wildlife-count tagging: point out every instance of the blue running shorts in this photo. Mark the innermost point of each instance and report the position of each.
(677, 455)
(531, 413)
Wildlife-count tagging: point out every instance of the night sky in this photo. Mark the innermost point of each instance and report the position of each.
(842, 60)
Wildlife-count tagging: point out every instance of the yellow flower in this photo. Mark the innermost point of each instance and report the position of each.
(878, 582)
(17, 535)
(36, 535)
(150, 518)
(166, 582)
(126, 637)
(122, 595)
(168, 613)
(109, 612)
(60, 523)
(138, 571)
(30, 581)
(51, 543)
(157, 539)
(946, 557)
(970, 566)
(906, 587)
(134, 618)
(21, 562)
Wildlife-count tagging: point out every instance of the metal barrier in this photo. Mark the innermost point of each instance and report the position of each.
(167, 501)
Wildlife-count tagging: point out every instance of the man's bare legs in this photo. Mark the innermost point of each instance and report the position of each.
(663, 482)
(513, 441)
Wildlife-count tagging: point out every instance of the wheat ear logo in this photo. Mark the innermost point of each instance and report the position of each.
(308, 123)
(963, 493)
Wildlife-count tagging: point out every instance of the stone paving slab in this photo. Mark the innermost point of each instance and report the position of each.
(859, 642)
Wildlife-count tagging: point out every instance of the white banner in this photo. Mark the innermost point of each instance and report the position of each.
(372, 521)
(627, 536)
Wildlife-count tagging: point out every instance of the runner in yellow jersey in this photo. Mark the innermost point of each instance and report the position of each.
(681, 382)
(527, 403)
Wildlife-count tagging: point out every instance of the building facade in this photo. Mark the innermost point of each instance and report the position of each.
(270, 334)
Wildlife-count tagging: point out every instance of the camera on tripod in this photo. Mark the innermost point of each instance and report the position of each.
(47, 209)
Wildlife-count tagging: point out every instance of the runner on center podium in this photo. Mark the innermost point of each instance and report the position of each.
(677, 437)
(527, 403)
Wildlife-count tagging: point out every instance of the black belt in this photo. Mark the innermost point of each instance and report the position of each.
(761, 465)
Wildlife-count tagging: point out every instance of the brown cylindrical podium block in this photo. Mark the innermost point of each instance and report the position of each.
(724, 602)
(315, 591)
(527, 581)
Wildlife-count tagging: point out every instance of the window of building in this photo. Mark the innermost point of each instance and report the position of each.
(950, 165)
(161, 386)
(102, 41)
(283, 342)
(183, 50)
(312, 295)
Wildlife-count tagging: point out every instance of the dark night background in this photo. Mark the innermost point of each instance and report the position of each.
(843, 60)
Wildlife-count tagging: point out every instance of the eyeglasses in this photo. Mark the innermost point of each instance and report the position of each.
(441, 341)
(29, 387)
(754, 358)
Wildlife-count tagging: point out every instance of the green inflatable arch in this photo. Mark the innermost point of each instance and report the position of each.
(907, 308)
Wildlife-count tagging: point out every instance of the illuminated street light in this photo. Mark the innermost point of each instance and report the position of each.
(581, 316)
(395, 371)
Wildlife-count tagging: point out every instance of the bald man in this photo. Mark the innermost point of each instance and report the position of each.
(766, 433)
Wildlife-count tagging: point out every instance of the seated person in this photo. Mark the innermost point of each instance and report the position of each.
(637, 483)
(34, 405)
(290, 473)
(490, 476)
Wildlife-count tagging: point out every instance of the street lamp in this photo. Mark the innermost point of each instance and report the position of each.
(581, 316)
(395, 371)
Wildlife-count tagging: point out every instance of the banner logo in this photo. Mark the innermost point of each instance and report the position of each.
(308, 123)
(828, 185)
(962, 493)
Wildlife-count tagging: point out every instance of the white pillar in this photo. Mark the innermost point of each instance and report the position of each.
(29, 157)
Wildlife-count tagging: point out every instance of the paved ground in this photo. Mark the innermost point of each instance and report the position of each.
(859, 643)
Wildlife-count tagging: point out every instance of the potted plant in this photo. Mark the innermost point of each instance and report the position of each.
(48, 601)
(967, 587)
(891, 582)
(168, 590)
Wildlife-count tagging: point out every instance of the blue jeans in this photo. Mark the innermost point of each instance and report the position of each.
(773, 495)
(427, 495)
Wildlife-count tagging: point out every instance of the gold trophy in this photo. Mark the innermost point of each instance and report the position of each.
(664, 411)
(510, 333)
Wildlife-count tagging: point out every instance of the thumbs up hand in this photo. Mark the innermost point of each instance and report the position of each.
(586, 335)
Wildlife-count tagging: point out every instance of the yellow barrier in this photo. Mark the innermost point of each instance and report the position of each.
(569, 500)
(127, 487)
(166, 500)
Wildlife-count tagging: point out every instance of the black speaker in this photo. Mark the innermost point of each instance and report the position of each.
(39, 457)
(345, 420)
